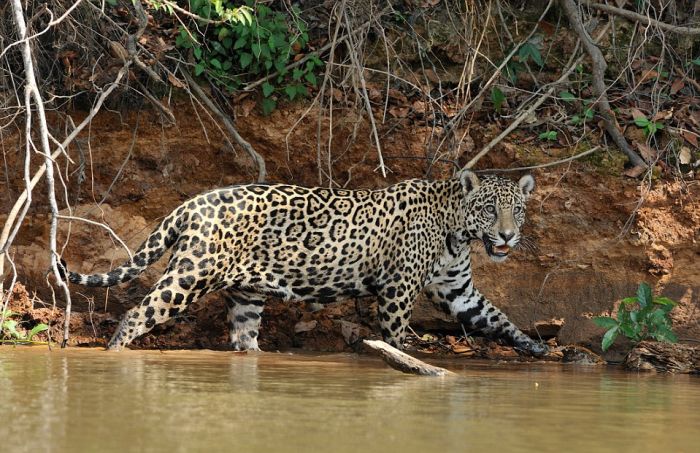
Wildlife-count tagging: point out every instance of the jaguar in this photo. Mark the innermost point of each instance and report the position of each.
(254, 241)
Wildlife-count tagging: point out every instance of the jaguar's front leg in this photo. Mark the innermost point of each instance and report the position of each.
(456, 295)
(476, 311)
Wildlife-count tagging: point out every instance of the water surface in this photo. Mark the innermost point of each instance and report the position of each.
(88, 400)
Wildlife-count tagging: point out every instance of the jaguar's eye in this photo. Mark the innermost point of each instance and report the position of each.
(517, 209)
(491, 209)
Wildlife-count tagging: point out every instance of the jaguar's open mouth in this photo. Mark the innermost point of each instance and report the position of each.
(501, 250)
(496, 251)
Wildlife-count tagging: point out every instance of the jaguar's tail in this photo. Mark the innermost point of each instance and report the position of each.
(160, 240)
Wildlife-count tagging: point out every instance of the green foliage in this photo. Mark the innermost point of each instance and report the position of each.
(252, 48)
(549, 136)
(638, 318)
(567, 96)
(650, 127)
(8, 330)
(530, 51)
(498, 98)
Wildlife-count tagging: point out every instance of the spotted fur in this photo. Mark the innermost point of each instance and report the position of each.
(316, 244)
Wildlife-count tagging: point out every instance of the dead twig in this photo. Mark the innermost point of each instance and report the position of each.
(352, 50)
(636, 17)
(548, 164)
(206, 100)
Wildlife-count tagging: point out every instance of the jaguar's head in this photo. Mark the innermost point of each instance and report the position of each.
(495, 210)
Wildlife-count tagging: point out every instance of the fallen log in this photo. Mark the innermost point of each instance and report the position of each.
(664, 357)
(404, 362)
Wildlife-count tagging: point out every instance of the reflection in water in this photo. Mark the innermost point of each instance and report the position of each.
(88, 400)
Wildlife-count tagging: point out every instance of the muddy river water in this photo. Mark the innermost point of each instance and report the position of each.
(79, 400)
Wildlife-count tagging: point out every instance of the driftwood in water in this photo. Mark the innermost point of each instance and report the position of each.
(664, 357)
(404, 362)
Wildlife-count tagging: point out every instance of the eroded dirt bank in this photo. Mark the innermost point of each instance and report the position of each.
(591, 249)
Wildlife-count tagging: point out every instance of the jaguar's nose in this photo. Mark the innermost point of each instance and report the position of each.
(506, 235)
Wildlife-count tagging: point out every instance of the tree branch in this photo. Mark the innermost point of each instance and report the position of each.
(32, 94)
(573, 15)
(257, 158)
(636, 17)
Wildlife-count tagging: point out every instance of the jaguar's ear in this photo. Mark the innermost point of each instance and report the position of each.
(527, 185)
(468, 179)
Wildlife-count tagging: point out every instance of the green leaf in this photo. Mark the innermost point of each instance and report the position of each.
(609, 338)
(245, 59)
(240, 42)
(588, 113)
(311, 78)
(576, 120)
(629, 301)
(11, 328)
(297, 74)
(257, 49)
(696, 61)
(215, 63)
(644, 295)
(549, 135)
(605, 321)
(268, 105)
(267, 89)
(567, 96)
(197, 52)
(629, 330)
(665, 334)
(498, 98)
(247, 17)
(223, 33)
(198, 69)
(291, 91)
(641, 121)
(661, 300)
(37, 329)
(623, 315)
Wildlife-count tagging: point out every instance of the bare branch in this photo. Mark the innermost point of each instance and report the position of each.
(572, 13)
(636, 17)
(32, 93)
(257, 158)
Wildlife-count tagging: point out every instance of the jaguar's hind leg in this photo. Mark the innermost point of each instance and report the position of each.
(168, 297)
(244, 310)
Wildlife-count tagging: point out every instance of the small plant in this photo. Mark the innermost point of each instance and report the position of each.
(530, 51)
(585, 115)
(638, 318)
(650, 127)
(9, 332)
(549, 136)
(498, 98)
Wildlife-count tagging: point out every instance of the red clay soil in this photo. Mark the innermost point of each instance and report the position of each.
(596, 241)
